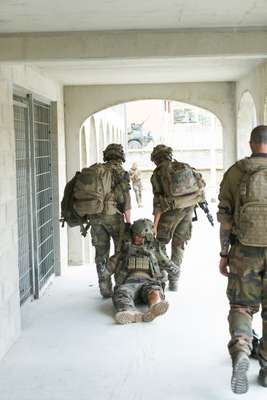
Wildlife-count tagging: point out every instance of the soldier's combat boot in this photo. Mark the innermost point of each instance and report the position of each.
(174, 277)
(105, 287)
(128, 316)
(104, 280)
(239, 381)
(157, 306)
(262, 378)
(173, 285)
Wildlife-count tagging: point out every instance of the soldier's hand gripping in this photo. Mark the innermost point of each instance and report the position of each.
(223, 266)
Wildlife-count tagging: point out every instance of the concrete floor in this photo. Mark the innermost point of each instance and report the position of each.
(70, 347)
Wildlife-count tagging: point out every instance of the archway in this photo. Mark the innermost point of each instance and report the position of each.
(185, 136)
(246, 121)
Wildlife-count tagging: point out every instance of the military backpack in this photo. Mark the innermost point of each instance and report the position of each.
(181, 185)
(251, 206)
(68, 213)
(92, 189)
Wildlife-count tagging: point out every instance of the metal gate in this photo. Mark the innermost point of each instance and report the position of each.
(43, 194)
(21, 124)
(34, 195)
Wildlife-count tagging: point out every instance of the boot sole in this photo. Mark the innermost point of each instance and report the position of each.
(156, 310)
(239, 382)
(127, 318)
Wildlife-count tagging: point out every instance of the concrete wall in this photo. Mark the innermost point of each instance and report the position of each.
(256, 84)
(33, 82)
(83, 101)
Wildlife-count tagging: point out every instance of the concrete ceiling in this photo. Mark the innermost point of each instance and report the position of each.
(86, 15)
(110, 71)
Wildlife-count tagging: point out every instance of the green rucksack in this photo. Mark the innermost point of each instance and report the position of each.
(181, 184)
(68, 213)
(92, 190)
(251, 206)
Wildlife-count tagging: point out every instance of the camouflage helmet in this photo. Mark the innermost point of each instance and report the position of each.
(143, 228)
(161, 152)
(114, 151)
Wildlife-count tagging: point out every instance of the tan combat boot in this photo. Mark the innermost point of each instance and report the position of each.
(157, 306)
(239, 381)
(128, 316)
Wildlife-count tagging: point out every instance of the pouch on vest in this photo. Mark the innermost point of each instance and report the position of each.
(251, 209)
(91, 190)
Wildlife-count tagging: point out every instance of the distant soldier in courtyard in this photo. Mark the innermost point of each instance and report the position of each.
(243, 235)
(135, 176)
(138, 276)
(177, 188)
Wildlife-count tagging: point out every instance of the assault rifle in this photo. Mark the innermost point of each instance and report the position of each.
(205, 207)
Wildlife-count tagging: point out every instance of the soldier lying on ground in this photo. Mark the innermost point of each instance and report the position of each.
(138, 276)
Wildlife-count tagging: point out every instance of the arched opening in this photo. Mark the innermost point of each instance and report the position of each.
(89, 128)
(246, 121)
(195, 134)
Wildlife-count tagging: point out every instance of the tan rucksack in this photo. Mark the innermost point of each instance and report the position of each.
(251, 206)
(92, 189)
(182, 185)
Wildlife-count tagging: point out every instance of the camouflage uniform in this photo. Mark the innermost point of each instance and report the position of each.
(138, 273)
(175, 224)
(247, 282)
(135, 177)
(110, 223)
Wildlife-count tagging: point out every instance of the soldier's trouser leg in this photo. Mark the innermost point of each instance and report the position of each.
(175, 225)
(152, 294)
(244, 293)
(263, 343)
(125, 295)
(101, 242)
(138, 195)
(124, 302)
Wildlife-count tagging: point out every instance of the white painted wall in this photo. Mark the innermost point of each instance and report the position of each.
(256, 84)
(33, 82)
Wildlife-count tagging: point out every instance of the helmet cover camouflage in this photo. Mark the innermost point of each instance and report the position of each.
(161, 152)
(143, 228)
(114, 151)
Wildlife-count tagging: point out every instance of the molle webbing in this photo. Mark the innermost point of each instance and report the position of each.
(138, 263)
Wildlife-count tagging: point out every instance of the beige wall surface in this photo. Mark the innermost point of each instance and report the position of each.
(29, 80)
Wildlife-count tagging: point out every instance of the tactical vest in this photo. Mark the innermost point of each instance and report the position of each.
(181, 186)
(142, 259)
(251, 204)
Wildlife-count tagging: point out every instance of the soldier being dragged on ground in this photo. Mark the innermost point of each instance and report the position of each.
(177, 189)
(138, 276)
(135, 176)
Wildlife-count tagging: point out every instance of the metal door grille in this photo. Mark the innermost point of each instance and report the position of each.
(43, 192)
(21, 119)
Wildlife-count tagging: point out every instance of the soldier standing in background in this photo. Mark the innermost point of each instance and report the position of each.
(135, 177)
(243, 236)
(177, 188)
